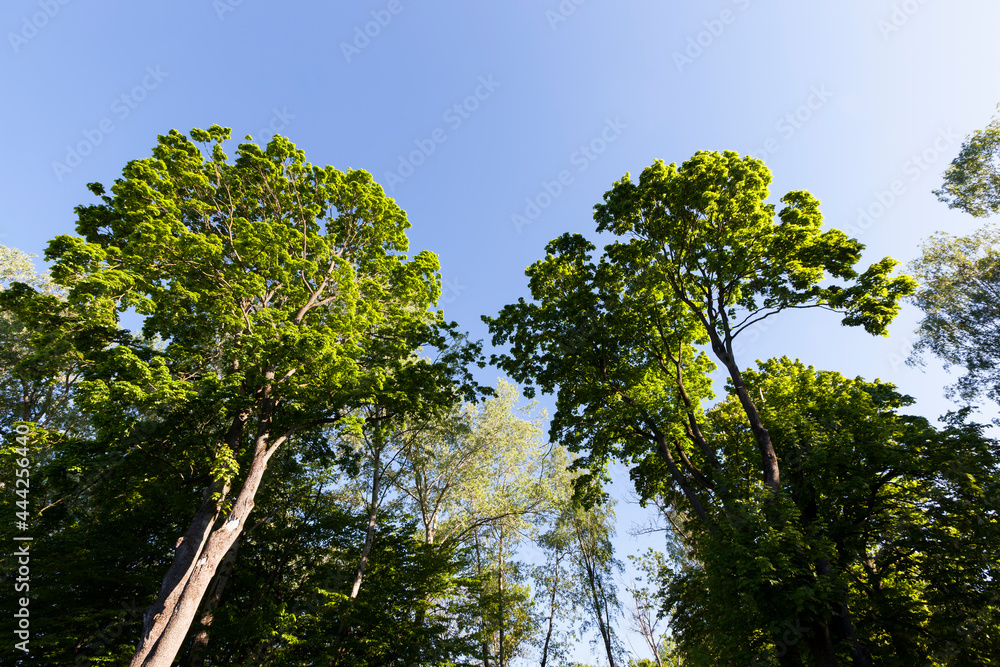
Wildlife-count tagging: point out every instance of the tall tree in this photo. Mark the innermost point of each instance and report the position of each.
(499, 507)
(559, 593)
(478, 465)
(960, 275)
(617, 340)
(285, 301)
(960, 297)
(596, 570)
(555, 591)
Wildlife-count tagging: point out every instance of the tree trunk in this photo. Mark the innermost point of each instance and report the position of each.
(188, 550)
(647, 627)
(167, 622)
(769, 459)
(503, 614)
(844, 626)
(552, 609)
(822, 647)
(723, 349)
(199, 646)
(596, 591)
(860, 655)
(366, 550)
(479, 573)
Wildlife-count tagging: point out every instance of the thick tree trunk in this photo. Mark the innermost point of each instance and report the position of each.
(199, 646)
(188, 550)
(821, 646)
(167, 622)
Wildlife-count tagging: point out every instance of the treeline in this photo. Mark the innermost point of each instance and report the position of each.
(290, 463)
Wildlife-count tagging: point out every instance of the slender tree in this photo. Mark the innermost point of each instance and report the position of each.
(644, 609)
(596, 570)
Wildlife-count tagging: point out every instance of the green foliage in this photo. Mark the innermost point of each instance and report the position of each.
(104, 527)
(276, 299)
(959, 289)
(972, 180)
(883, 522)
(413, 594)
(480, 478)
(705, 232)
(33, 387)
(704, 260)
(772, 491)
(284, 323)
(253, 272)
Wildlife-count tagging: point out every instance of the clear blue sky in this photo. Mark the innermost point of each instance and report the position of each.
(471, 113)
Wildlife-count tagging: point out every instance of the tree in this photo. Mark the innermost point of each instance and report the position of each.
(960, 297)
(644, 611)
(503, 498)
(555, 591)
(576, 583)
(285, 303)
(972, 180)
(478, 465)
(884, 523)
(960, 275)
(617, 339)
(596, 569)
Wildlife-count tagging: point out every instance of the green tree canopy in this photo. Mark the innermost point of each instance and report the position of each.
(277, 298)
(892, 519)
(700, 260)
(703, 261)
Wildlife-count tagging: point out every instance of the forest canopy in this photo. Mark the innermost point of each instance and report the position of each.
(254, 438)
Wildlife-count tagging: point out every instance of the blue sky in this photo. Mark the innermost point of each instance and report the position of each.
(498, 126)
